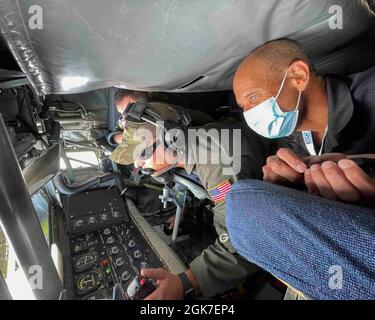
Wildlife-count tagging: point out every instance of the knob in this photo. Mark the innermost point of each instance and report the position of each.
(132, 243)
(80, 246)
(105, 217)
(92, 220)
(115, 214)
(144, 265)
(107, 231)
(79, 223)
(115, 250)
(119, 261)
(126, 275)
(110, 240)
(137, 254)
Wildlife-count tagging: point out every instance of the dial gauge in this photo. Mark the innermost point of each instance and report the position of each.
(88, 282)
(85, 262)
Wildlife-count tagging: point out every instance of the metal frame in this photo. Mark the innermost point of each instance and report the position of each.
(14, 83)
(21, 224)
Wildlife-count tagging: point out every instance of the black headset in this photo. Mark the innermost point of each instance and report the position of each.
(140, 112)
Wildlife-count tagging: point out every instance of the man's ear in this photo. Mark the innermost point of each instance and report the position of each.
(300, 74)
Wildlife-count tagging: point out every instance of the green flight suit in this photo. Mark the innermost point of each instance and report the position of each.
(219, 268)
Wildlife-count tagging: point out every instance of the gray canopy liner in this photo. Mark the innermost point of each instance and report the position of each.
(168, 45)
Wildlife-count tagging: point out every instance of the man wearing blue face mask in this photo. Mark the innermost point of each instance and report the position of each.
(269, 120)
(283, 97)
(322, 247)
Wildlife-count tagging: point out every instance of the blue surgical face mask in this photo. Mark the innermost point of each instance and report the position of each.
(268, 120)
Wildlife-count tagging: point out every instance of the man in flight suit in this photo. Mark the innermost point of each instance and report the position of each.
(218, 268)
(124, 96)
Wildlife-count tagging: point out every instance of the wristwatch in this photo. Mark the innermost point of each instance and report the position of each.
(186, 284)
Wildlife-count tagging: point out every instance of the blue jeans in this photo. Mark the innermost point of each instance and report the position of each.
(323, 248)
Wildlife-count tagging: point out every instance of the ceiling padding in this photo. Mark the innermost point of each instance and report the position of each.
(71, 46)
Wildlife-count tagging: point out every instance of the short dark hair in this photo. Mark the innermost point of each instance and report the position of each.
(137, 95)
(279, 54)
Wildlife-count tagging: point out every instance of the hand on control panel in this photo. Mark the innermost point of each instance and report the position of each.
(169, 286)
(140, 288)
(112, 254)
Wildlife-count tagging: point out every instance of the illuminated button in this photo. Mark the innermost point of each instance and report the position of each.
(105, 262)
(115, 250)
(110, 240)
(125, 276)
(107, 231)
(107, 270)
(120, 261)
(132, 243)
(142, 282)
(137, 254)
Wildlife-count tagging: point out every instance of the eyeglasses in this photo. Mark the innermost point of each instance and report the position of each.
(149, 151)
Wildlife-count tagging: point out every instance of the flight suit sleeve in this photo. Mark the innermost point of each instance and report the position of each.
(218, 268)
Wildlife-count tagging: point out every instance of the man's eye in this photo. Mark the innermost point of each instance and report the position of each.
(254, 98)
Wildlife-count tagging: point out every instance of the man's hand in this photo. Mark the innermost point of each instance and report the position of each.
(117, 138)
(169, 286)
(171, 220)
(287, 168)
(344, 181)
(284, 168)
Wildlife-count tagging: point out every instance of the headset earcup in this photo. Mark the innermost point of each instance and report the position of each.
(174, 139)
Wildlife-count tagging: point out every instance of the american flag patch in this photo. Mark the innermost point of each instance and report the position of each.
(219, 192)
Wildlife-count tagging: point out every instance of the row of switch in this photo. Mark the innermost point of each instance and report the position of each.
(92, 220)
(108, 231)
(115, 250)
(110, 240)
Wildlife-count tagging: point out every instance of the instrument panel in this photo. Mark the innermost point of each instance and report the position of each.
(94, 209)
(104, 257)
(108, 255)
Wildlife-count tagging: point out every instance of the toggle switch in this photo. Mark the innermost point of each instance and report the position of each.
(115, 250)
(137, 254)
(119, 261)
(110, 240)
(126, 275)
(132, 243)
